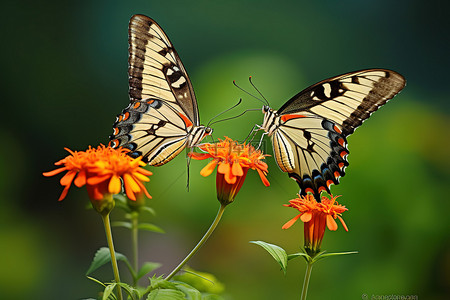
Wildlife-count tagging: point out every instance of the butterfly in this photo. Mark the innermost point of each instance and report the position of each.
(309, 132)
(162, 117)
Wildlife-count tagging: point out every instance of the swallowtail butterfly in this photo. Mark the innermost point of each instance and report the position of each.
(309, 132)
(162, 117)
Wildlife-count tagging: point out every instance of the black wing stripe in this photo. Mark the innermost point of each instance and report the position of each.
(311, 130)
(323, 155)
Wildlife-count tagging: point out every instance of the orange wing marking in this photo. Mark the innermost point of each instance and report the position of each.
(321, 189)
(337, 129)
(309, 190)
(186, 121)
(285, 118)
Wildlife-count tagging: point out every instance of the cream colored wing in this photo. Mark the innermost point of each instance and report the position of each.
(152, 129)
(310, 139)
(155, 69)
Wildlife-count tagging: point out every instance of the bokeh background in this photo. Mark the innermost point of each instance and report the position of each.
(64, 78)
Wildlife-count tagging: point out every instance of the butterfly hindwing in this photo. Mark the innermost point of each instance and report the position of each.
(309, 132)
(152, 129)
(318, 151)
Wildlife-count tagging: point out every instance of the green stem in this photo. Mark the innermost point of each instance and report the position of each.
(200, 243)
(107, 224)
(134, 240)
(309, 266)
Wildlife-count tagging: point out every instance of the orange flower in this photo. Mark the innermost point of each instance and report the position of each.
(316, 216)
(233, 161)
(102, 170)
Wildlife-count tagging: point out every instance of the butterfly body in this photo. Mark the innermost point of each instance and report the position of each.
(162, 117)
(309, 132)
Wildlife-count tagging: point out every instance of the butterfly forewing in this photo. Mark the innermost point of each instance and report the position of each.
(347, 99)
(162, 117)
(155, 69)
(309, 132)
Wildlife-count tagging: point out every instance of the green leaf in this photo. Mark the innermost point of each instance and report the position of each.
(147, 268)
(150, 227)
(124, 224)
(190, 292)
(202, 281)
(148, 209)
(160, 282)
(278, 253)
(325, 255)
(295, 255)
(121, 202)
(165, 294)
(131, 291)
(96, 280)
(102, 256)
(109, 292)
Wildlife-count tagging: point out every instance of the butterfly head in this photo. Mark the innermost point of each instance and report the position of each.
(266, 109)
(208, 130)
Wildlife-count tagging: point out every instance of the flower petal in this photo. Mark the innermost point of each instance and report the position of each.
(129, 189)
(144, 189)
(81, 179)
(291, 222)
(208, 169)
(68, 178)
(343, 223)
(98, 179)
(115, 186)
(306, 217)
(229, 177)
(141, 177)
(199, 156)
(331, 223)
(263, 177)
(64, 192)
(236, 169)
(223, 168)
(144, 172)
(54, 172)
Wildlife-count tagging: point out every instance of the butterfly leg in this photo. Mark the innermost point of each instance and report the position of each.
(188, 163)
(261, 140)
(252, 133)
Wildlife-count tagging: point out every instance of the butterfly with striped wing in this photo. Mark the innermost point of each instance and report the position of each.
(162, 117)
(309, 132)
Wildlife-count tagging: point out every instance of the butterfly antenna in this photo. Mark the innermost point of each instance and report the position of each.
(254, 86)
(237, 116)
(248, 93)
(221, 113)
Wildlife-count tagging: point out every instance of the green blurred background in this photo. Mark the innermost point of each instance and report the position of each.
(64, 79)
